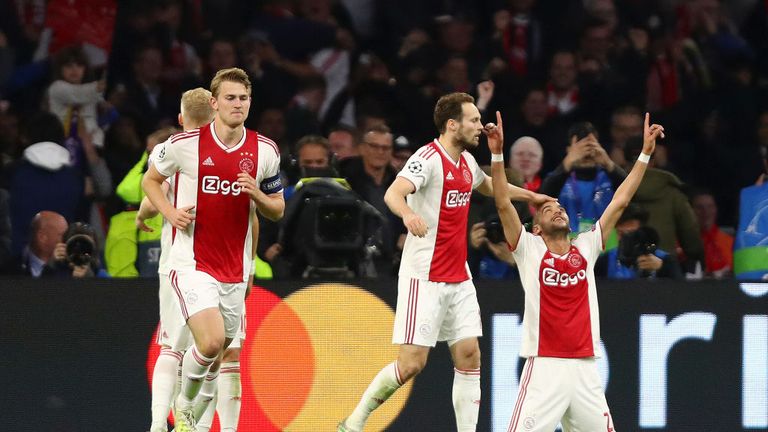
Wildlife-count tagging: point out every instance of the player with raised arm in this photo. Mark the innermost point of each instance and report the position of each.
(561, 324)
(436, 297)
(223, 172)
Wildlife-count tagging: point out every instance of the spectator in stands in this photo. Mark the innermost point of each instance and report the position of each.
(718, 246)
(128, 251)
(45, 232)
(370, 175)
(145, 97)
(535, 123)
(68, 96)
(638, 254)
(343, 142)
(43, 178)
(313, 158)
(518, 38)
(525, 157)
(661, 195)
(6, 257)
(626, 122)
(401, 152)
(585, 180)
(76, 255)
(563, 96)
(752, 236)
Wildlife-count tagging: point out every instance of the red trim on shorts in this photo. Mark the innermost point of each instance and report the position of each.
(523, 391)
(174, 283)
(413, 300)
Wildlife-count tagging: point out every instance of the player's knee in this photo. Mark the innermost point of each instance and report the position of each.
(210, 347)
(468, 358)
(410, 367)
(231, 355)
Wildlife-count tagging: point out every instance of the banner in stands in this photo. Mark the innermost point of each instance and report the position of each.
(679, 356)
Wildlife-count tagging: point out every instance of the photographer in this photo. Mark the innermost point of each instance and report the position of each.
(488, 236)
(77, 256)
(637, 254)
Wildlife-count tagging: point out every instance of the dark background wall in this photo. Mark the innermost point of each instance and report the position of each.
(74, 353)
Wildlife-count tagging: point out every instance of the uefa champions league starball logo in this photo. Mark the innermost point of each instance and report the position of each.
(415, 167)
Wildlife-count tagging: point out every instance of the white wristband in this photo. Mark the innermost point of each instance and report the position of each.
(644, 158)
(497, 157)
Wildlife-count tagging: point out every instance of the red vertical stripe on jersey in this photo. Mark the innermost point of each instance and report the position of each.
(565, 328)
(450, 254)
(521, 395)
(222, 211)
(175, 199)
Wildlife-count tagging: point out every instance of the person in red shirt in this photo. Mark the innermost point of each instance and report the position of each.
(718, 246)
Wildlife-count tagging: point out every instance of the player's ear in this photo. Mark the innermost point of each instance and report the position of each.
(180, 119)
(536, 229)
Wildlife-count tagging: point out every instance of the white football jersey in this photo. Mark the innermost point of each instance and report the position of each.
(561, 317)
(218, 242)
(443, 189)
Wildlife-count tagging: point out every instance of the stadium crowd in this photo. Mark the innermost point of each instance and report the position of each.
(346, 89)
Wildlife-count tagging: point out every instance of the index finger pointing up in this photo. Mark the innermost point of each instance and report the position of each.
(499, 123)
(647, 121)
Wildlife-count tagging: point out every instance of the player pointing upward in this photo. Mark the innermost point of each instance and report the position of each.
(561, 324)
(223, 173)
(436, 298)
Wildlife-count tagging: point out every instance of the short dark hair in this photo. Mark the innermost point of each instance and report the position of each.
(43, 126)
(581, 130)
(69, 55)
(449, 107)
(312, 140)
(634, 212)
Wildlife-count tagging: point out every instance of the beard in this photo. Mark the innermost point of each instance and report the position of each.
(466, 141)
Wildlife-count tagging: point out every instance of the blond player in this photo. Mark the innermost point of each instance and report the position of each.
(561, 324)
(223, 173)
(436, 298)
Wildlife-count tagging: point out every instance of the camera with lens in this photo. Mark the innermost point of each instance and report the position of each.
(632, 245)
(329, 231)
(81, 244)
(494, 231)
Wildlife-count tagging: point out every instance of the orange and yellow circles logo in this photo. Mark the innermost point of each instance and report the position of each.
(308, 358)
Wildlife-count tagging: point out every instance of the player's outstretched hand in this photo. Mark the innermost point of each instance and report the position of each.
(495, 134)
(415, 224)
(143, 226)
(650, 133)
(180, 218)
(538, 199)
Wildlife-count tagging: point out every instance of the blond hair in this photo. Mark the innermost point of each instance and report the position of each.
(235, 75)
(196, 109)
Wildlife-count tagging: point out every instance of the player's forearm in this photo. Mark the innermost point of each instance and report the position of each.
(517, 193)
(499, 183)
(628, 187)
(146, 209)
(397, 203)
(154, 191)
(271, 206)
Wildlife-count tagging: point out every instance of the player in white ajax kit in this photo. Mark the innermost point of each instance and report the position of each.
(223, 173)
(173, 335)
(436, 297)
(561, 324)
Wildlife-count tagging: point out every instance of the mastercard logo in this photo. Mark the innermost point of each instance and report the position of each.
(308, 358)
